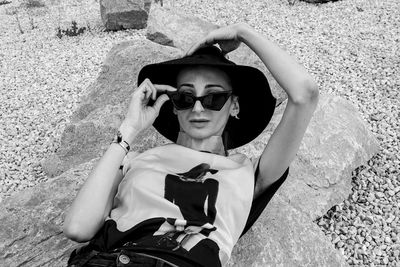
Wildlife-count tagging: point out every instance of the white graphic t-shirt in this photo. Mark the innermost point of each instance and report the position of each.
(200, 200)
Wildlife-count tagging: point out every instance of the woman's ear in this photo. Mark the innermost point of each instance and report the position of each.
(174, 111)
(235, 108)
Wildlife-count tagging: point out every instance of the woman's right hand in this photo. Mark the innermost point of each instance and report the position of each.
(140, 116)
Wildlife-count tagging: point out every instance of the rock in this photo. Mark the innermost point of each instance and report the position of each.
(335, 143)
(101, 111)
(31, 222)
(169, 27)
(284, 236)
(124, 14)
(31, 230)
(318, 1)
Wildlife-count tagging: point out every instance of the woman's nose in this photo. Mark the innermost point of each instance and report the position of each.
(198, 107)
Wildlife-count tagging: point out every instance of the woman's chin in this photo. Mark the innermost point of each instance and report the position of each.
(197, 133)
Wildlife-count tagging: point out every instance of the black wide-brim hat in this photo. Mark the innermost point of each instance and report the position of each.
(256, 102)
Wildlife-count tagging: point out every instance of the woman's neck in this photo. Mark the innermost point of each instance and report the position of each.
(212, 144)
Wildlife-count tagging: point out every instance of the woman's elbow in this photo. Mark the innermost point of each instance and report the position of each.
(309, 93)
(75, 232)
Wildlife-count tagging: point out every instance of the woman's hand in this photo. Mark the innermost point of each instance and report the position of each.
(228, 38)
(140, 116)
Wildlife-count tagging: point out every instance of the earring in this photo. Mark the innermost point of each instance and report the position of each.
(235, 116)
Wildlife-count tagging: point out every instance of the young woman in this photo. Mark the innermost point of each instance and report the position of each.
(188, 202)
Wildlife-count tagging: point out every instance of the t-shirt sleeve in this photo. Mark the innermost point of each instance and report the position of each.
(259, 203)
(125, 165)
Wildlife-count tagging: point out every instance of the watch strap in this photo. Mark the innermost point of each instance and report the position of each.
(122, 143)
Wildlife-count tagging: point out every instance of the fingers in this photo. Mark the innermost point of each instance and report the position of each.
(164, 87)
(159, 102)
(147, 89)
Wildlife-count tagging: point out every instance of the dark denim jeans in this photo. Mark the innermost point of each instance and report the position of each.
(123, 258)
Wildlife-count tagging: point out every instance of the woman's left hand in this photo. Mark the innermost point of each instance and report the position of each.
(226, 37)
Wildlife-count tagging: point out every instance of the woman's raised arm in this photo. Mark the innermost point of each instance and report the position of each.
(94, 201)
(300, 87)
(302, 93)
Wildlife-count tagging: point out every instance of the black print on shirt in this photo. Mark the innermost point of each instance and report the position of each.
(193, 193)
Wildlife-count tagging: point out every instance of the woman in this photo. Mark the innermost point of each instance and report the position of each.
(187, 203)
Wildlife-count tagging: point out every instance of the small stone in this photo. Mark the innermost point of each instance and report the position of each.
(377, 251)
(337, 239)
(385, 260)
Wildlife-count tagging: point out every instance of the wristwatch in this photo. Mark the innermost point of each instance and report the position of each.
(118, 140)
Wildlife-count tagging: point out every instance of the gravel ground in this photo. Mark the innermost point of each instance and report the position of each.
(351, 47)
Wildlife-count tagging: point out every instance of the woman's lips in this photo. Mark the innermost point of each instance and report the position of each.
(199, 122)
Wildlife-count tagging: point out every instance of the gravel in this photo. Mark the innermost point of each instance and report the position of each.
(351, 47)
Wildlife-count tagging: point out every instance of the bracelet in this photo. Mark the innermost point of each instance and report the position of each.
(122, 143)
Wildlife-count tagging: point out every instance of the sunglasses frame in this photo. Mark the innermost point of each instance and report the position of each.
(199, 98)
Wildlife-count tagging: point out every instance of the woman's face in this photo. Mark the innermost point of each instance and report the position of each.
(199, 122)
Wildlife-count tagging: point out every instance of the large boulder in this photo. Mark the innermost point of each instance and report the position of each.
(284, 236)
(336, 142)
(124, 14)
(31, 222)
(101, 111)
(170, 27)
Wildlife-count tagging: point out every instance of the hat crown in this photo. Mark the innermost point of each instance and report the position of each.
(212, 53)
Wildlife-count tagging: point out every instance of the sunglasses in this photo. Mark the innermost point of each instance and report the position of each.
(185, 100)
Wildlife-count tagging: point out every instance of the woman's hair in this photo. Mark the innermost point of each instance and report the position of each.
(226, 76)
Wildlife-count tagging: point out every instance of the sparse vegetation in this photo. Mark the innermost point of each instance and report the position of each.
(4, 2)
(73, 31)
(34, 3)
(14, 12)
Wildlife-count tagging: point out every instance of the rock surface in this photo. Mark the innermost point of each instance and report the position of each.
(284, 234)
(31, 222)
(125, 14)
(101, 111)
(336, 142)
(170, 27)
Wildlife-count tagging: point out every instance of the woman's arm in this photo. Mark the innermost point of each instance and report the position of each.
(300, 87)
(302, 94)
(95, 199)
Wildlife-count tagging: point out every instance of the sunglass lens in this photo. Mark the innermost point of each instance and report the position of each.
(182, 100)
(215, 101)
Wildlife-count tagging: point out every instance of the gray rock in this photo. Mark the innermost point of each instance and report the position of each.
(101, 111)
(31, 232)
(128, 14)
(169, 27)
(318, 1)
(31, 222)
(335, 143)
(284, 236)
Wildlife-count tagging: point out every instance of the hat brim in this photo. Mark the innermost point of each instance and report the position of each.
(256, 102)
